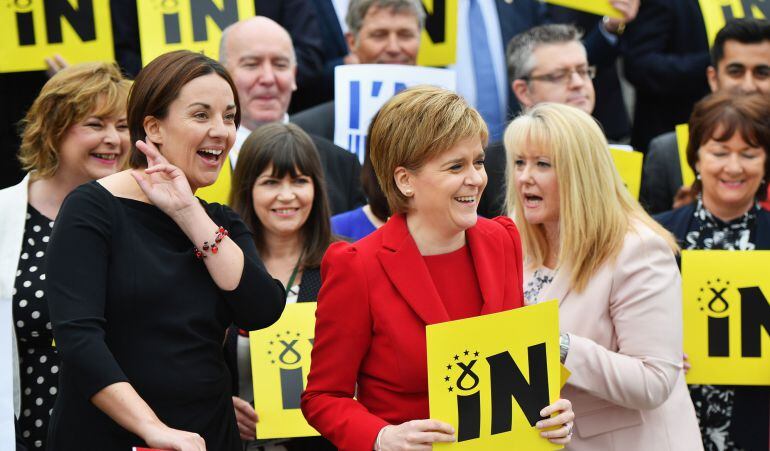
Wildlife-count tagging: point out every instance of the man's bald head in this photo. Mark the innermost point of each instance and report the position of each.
(259, 55)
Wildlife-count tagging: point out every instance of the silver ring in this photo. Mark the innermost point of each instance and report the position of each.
(569, 430)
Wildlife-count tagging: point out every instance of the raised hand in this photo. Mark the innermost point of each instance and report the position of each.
(163, 183)
(417, 435)
(563, 422)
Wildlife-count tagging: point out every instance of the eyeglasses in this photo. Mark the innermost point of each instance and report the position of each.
(564, 76)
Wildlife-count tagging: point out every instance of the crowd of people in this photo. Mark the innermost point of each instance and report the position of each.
(129, 294)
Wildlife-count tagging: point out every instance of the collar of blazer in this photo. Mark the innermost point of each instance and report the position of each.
(561, 285)
(406, 269)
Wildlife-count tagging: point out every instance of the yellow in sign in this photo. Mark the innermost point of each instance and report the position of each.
(32, 30)
(196, 25)
(491, 387)
(726, 316)
(629, 165)
(280, 361)
(717, 12)
(438, 42)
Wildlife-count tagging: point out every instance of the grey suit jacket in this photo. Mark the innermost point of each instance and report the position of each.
(662, 174)
(318, 120)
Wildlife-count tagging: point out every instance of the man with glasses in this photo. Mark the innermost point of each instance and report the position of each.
(740, 63)
(545, 64)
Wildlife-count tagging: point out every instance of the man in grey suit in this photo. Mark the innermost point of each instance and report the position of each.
(740, 62)
(379, 32)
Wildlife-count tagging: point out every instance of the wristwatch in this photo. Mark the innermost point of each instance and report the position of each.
(619, 31)
(563, 347)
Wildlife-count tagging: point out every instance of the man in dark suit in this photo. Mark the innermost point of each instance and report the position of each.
(665, 52)
(740, 62)
(610, 109)
(259, 55)
(376, 35)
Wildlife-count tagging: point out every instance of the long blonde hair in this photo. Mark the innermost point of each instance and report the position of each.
(596, 210)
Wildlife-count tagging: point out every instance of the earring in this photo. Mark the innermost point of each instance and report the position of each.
(697, 176)
(408, 193)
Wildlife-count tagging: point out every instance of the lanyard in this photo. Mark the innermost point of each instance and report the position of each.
(294, 273)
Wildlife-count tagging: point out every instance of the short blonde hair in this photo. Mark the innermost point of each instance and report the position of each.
(70, 96)
(414, 126)
(596, 210)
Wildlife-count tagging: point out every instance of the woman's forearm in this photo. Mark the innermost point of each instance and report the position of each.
(226, 266)
(124, 405)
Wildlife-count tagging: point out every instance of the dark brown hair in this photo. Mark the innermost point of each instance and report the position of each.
(290, 151)
(158, 85)
(378, 203)
(731, 113)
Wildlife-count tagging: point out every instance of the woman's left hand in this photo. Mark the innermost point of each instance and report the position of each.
(564, 422)
(163, 183)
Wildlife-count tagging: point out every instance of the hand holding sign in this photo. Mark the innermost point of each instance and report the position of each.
(416, 434)
(493, 389)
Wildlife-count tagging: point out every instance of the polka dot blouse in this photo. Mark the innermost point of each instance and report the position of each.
(39, 362)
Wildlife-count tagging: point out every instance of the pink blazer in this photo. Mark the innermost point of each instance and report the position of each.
(627, 385)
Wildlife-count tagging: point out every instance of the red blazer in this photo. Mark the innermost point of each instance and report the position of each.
(376, 299)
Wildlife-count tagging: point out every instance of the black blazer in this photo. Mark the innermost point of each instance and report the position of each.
(343, 176)
(318, 120)
(610, 108)
(665, 51)
(662, 174)
(751, 408)
(492, 201)
(335, 48)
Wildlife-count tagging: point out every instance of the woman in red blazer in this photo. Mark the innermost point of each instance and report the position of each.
(433, 261)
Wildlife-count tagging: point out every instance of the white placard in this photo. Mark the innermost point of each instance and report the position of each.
(360, 90)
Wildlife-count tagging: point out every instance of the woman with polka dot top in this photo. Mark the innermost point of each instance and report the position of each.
(75, 132)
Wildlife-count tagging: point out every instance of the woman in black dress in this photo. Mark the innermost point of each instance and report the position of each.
(144, 278)
(75, 131)
(279, 191)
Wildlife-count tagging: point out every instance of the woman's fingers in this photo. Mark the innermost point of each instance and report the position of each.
(559, 405)
(152, 153)
(432, 425)
(168, 169)
(558, 420)
(431, 437)
(561, 432)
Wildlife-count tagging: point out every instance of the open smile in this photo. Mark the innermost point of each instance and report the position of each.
(108, 159)
(211, 156)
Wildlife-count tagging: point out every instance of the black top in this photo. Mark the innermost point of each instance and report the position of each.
(130, 302)
(38, 360)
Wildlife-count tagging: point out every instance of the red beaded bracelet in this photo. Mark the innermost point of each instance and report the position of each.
(199, 253)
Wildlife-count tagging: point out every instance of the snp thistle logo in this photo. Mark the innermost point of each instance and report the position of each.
(506, 383)
(283, 352)
(754, 317)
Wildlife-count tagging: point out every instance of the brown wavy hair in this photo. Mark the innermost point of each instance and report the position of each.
(69, 97)
(731, 113)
